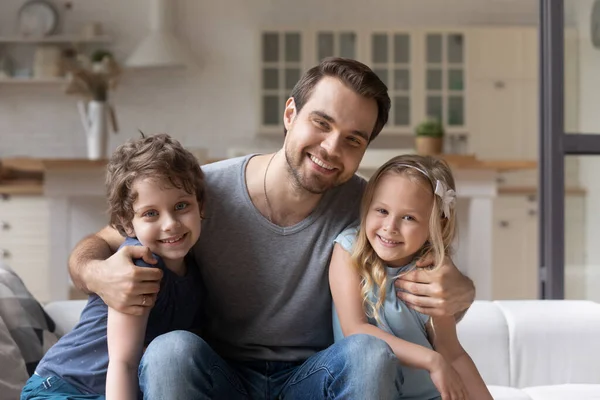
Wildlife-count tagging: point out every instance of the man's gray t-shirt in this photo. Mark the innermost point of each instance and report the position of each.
(267, 286)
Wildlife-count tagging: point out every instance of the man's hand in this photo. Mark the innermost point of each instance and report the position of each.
(124, 286)
(443, 291)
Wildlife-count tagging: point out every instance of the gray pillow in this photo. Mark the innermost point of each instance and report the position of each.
(31, 329)
(13, 373)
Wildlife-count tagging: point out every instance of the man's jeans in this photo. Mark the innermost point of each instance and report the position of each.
(180, 365)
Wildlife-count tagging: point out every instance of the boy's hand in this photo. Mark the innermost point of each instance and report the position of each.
(447, 381)
(439, 292)
(124, 286)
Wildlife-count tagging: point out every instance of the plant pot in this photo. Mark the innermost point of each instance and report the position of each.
(428, 146)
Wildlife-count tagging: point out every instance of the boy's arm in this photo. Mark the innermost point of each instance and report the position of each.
(121, 285)
(125, 334)
(442, 334)
(345, 289)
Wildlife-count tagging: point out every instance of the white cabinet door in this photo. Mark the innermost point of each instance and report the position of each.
(24, 241)
(497, 53)
(493, 110)
(515, 266)
(515, 251)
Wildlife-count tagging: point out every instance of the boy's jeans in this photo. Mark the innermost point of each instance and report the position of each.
(180, 365)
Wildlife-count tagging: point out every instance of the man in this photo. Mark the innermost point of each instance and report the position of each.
(268, 232)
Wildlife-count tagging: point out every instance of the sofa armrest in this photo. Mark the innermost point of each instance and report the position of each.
(65, 314)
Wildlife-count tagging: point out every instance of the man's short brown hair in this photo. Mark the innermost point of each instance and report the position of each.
(158, 157)
(355, 75)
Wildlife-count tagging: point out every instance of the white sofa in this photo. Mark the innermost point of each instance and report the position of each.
(525, 350)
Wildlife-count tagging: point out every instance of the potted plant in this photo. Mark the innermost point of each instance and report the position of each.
(429, 138)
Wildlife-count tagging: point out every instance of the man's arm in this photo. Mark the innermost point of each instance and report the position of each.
(89, 250)
(442, 291)
(96, 268)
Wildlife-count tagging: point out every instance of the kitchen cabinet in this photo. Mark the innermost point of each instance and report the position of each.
(515, 266)
(24, 240)
(515, 247)
(504, 91)
(425, 72)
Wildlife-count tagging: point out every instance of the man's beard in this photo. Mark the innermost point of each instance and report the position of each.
(314, 186)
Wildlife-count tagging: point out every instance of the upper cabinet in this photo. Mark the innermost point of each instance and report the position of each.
(481, 82)
(444, 87)
(503, 53)
(424, 70)
(504, 91)
(392, 59)
(336, 44)
(281, 67)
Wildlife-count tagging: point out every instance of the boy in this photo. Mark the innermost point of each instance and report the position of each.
(155, 194)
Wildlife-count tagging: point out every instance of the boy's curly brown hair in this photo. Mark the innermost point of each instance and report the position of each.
(159, 157)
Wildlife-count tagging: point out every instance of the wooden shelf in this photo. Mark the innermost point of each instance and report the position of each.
(32, 81)
(54, 39)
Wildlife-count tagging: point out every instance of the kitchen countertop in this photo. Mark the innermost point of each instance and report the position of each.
(454, 160)
(40, 165)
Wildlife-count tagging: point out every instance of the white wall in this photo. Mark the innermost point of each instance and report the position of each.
(217, 107)
(589, 122)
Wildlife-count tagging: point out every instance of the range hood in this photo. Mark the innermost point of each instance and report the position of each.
(160, 48)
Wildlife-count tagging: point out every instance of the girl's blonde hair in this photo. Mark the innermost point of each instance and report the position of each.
(425, 171)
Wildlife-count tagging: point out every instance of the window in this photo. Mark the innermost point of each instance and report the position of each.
(281, 69)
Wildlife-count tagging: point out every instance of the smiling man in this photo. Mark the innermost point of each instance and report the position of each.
(266, 244)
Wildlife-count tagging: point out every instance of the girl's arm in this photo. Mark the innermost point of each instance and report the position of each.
(345, 289)
(125, 346)
(442, 334)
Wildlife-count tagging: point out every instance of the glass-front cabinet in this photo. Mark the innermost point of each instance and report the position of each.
(424, 71)
(445, 78)
(281, 67)
(335, 44)
(391, 59)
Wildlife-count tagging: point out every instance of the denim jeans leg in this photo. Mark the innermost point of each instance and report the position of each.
(357, 367)
(180, 365)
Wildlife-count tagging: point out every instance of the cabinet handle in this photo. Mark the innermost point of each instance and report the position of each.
(499, 85)
(4, 197)
(500, 180)
(532, 212)
(4, 225)
(503, 224)
(532, 198)
(4, 253)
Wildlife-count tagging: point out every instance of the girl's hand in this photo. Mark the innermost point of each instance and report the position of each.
(447, 381)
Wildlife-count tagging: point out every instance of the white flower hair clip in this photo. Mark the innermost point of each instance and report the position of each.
(448, 197)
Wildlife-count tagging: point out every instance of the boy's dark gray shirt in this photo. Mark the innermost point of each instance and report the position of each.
(267, 286)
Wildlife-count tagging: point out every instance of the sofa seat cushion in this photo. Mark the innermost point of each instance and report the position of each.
(564, 392)
(507, 393)
(65, 314)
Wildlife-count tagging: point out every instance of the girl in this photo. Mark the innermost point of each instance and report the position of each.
(407, 212)
(155, 194)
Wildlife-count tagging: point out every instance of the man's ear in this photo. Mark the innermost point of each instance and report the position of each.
(289, 115)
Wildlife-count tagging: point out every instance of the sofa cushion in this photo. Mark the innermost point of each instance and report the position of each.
(553, 342)
(507, 393)
(13, 373)
(564, 392)
(24, 318)
(483, 333)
